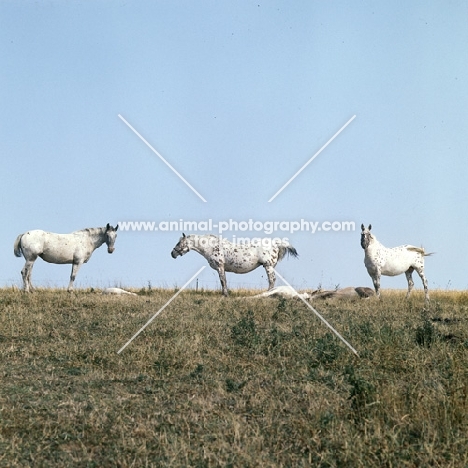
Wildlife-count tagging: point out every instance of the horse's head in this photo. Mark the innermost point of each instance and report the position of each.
(366, 236)
(111, 235)
(181, 248)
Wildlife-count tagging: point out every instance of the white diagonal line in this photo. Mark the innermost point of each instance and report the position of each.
(161, 309)
(312, 158)
(320, 317)
(160, 157)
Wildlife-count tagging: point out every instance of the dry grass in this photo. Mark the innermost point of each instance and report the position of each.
(232, 382)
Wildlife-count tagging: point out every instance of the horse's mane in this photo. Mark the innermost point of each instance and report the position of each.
(91, 231)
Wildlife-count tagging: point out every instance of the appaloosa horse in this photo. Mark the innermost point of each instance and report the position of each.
(224, 256)
(380, 260)
(75, 248)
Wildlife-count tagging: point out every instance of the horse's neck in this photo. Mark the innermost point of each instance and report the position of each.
(205, 249)
(95, 235)
(375, 246)
(193, 243)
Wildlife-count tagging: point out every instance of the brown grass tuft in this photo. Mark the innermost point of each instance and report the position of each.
(232, 382)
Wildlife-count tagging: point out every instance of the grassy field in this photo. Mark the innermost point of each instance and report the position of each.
(232, 382)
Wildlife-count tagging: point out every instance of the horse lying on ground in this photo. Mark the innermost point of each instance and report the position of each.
(344, 293)
(118, 291)
(283, 291)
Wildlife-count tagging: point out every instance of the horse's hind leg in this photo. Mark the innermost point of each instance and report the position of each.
(409, 278)
(270, 271)
(424, 282)
(26, 274)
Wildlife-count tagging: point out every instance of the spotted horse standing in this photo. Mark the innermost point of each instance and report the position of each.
(380, 260)
(224, 256)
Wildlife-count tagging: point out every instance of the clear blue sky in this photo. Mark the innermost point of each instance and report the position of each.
(237, 96)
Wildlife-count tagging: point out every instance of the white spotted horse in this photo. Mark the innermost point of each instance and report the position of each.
(224, 256)
(380, 260)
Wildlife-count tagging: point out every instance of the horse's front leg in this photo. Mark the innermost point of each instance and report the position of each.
(75, 268)
(270, 271)
(376, 281)
(222, 278)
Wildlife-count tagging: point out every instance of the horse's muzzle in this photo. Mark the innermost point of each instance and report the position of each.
(110, 249)
(364, 242)
(174, 254)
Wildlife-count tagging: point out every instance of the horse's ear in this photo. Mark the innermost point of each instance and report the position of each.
(183, 235)
(370, 227)
(116, 227)
(362, 227)
(107, 227)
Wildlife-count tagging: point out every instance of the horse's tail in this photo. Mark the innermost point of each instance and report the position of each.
(286, 249)
(17, 247)
(420, 250)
